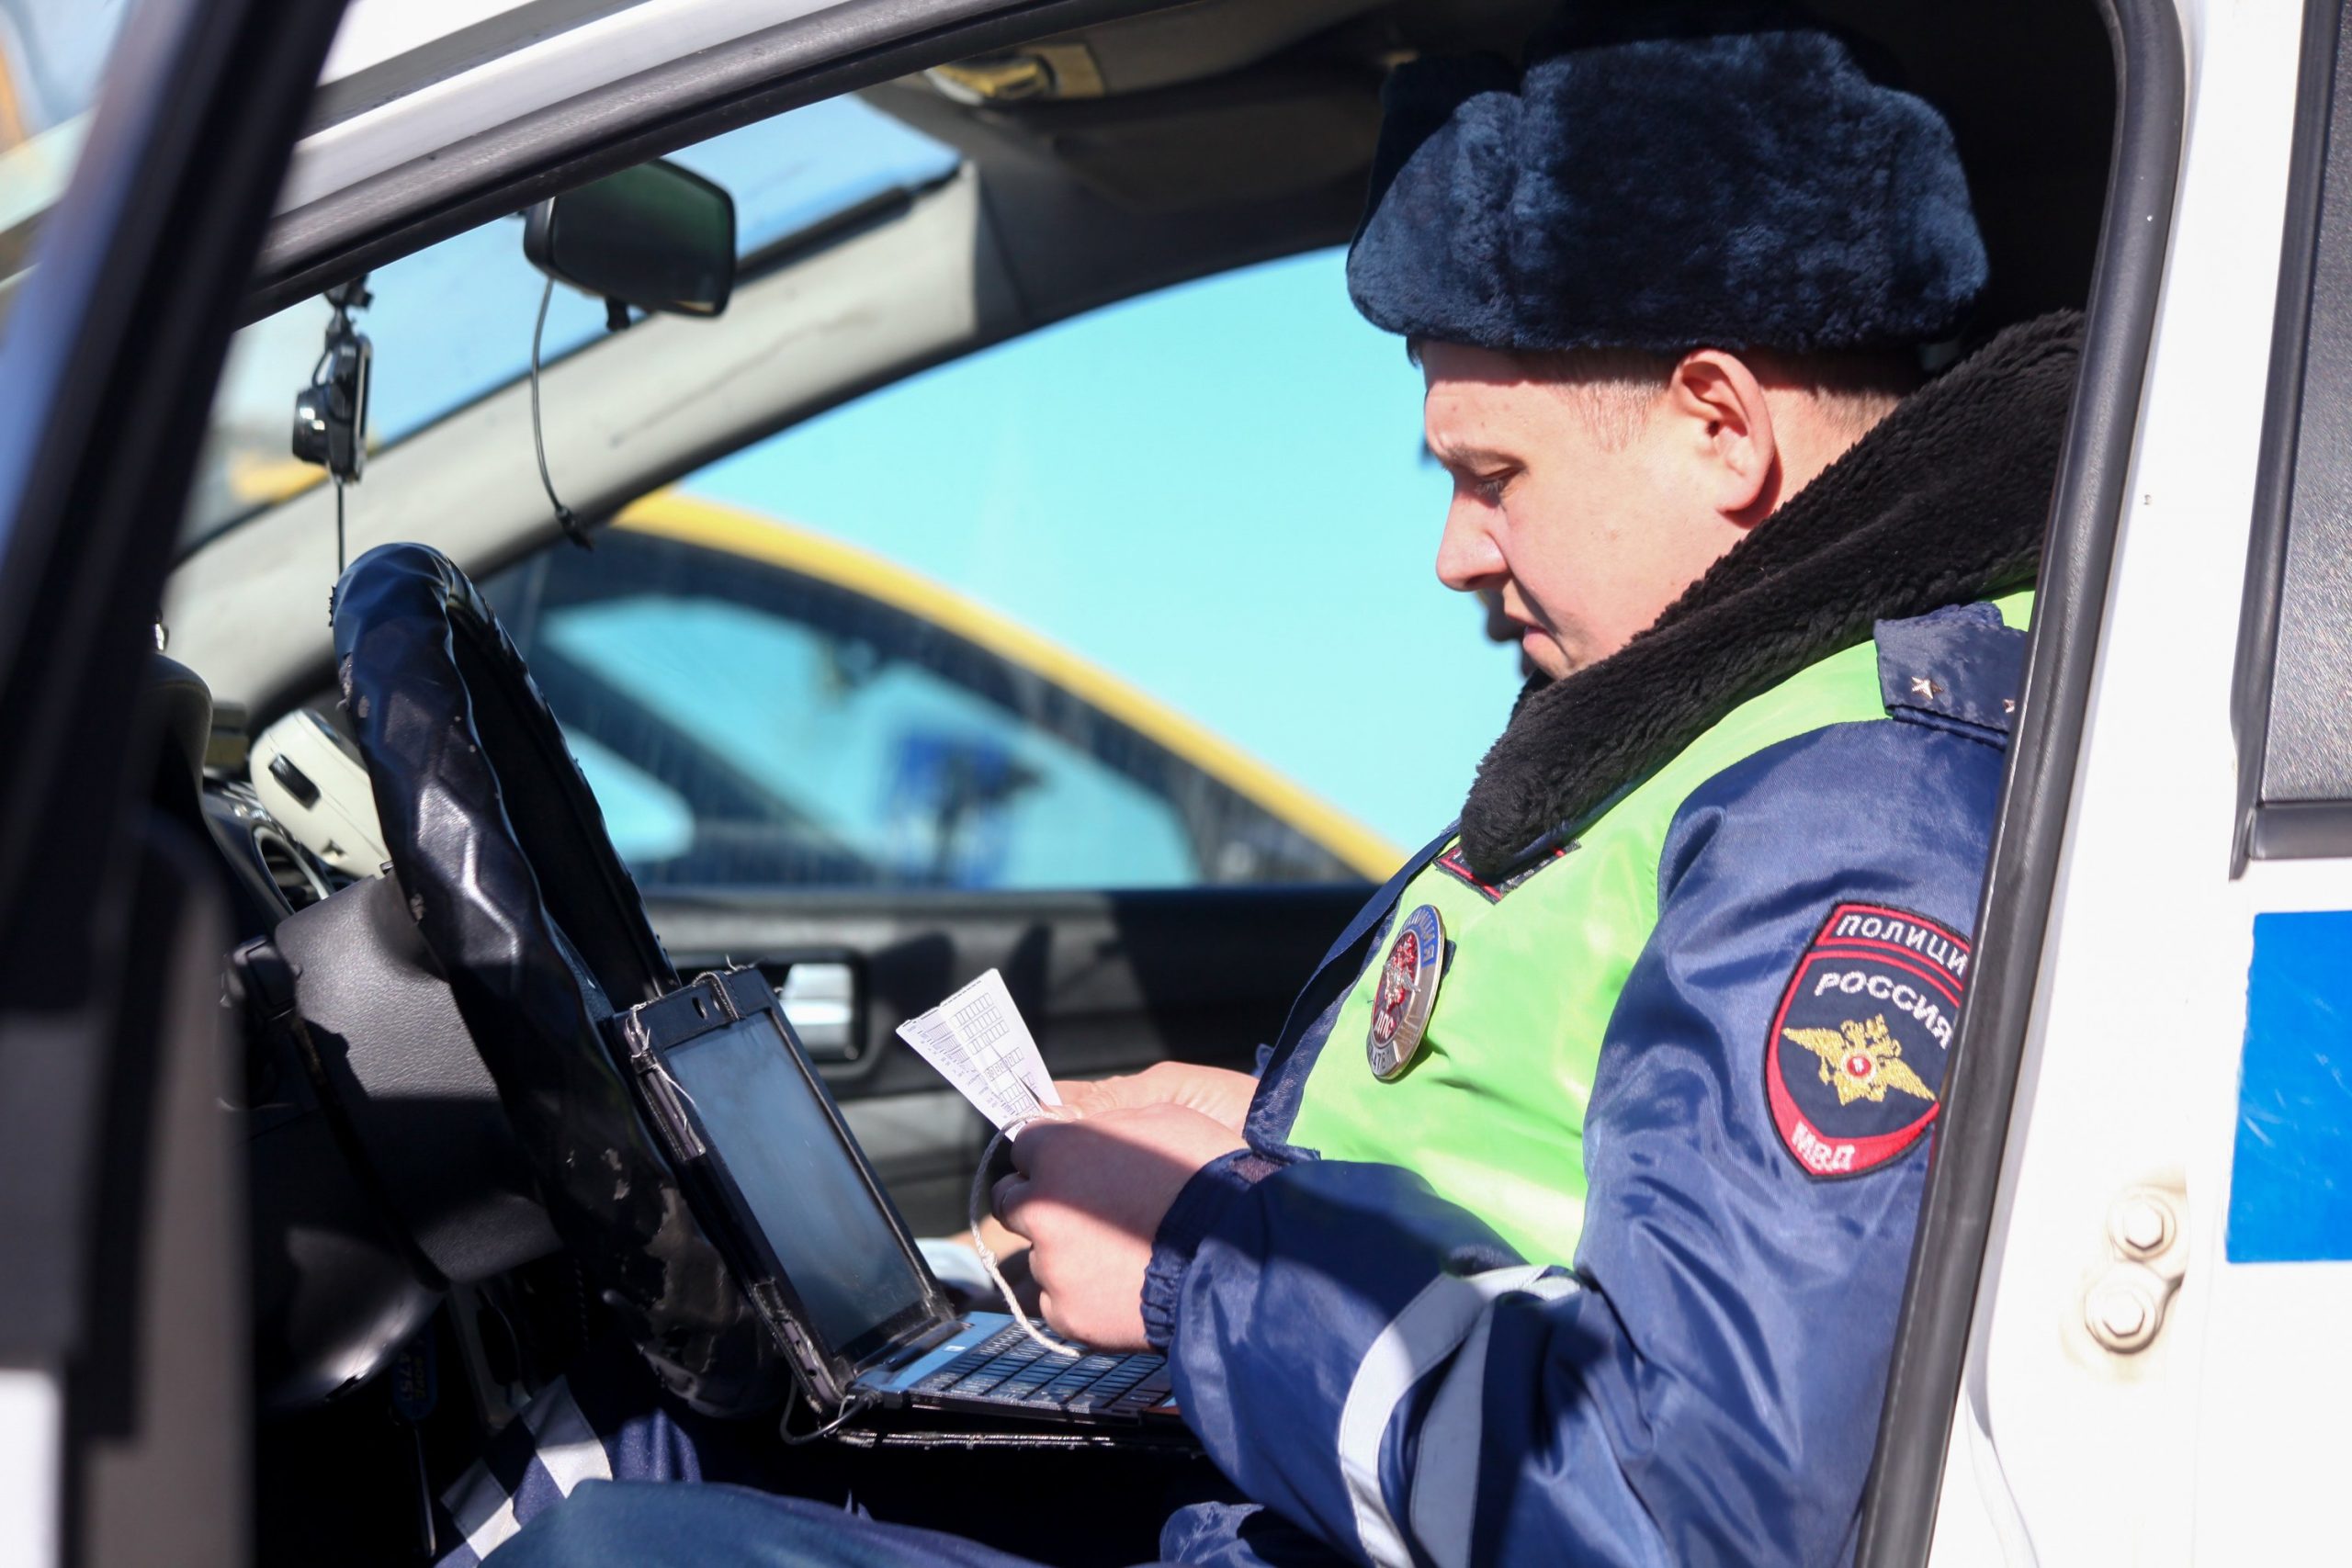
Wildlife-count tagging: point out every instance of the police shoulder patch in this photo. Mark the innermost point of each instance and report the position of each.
(1854, 1071)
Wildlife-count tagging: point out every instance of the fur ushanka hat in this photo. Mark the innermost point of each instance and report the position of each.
(1660, 179)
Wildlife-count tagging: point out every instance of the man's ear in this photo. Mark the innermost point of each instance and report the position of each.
(1722, 408)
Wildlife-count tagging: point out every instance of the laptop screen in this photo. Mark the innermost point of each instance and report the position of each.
(831, 1235)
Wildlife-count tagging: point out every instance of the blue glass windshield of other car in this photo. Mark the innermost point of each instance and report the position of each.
(919, 780)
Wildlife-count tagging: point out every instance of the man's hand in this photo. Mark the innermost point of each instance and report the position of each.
(1012, 1255)
(1089, 1196)
(1219, 1093)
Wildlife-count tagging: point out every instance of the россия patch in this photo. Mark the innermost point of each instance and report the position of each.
(1854, 1071)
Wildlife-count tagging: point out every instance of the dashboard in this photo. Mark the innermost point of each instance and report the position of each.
(271, 867)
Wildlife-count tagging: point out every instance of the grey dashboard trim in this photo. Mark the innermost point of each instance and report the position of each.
(899, 1128)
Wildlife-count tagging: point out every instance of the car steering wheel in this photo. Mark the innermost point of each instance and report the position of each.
(518, 894)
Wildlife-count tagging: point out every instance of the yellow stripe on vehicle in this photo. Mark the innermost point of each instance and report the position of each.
(712, 525)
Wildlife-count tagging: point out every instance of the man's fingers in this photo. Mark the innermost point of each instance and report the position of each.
(1008, 1248)
(1088, 1096)
(1162, 1083)
(1219, 1093)
(1005, 1198)
(1036, 1142)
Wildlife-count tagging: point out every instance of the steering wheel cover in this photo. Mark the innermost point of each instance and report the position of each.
(418, 653)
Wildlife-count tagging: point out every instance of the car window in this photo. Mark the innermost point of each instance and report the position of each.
(458, 314)
(1141, 599)
(765, 711)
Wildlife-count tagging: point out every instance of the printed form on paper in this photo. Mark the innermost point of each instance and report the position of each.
(977, 1041)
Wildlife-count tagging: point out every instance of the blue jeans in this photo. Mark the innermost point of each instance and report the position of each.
(606, 1469)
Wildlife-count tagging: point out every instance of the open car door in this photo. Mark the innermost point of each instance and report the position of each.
(120, 1217)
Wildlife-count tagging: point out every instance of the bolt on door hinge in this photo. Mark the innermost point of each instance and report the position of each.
(2124, 1303)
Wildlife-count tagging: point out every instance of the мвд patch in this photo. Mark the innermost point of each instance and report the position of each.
(1854, 1070)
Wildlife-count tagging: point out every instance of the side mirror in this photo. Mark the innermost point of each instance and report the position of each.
(658, 237)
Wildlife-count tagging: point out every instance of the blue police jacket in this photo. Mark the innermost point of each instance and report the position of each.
(1378, 1368)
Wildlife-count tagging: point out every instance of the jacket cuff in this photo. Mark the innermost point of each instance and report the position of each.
(1199, 1205)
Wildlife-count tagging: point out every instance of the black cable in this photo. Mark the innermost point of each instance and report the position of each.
(572, 527)
(857, 1404)
(336, 587)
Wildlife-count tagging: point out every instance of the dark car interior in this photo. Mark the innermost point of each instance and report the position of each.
(417, 1272)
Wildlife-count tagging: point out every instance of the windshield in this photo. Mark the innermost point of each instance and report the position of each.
(453, 323)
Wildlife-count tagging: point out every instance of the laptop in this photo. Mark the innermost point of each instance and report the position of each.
(777, 1178)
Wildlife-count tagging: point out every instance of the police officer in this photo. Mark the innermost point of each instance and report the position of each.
(1568, 1218)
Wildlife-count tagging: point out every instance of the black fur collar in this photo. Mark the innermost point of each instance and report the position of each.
(1942, 504)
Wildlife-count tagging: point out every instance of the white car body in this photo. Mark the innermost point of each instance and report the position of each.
(2221, 1441)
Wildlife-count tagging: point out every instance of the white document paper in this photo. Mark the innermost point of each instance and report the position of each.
(977, 1041)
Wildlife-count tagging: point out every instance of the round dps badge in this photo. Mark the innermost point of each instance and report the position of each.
(1406, 991)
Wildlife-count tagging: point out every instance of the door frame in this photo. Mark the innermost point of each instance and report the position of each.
(1932, 1334)
(110, 354)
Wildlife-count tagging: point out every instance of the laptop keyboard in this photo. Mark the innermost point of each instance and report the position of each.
(1010, 1368)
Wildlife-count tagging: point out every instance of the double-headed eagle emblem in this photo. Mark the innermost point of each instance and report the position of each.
(1395, 992)
(1862, 1060)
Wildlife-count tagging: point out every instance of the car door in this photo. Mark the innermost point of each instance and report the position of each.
(2154, 1306)
(1947, 1472)
(140, 146)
